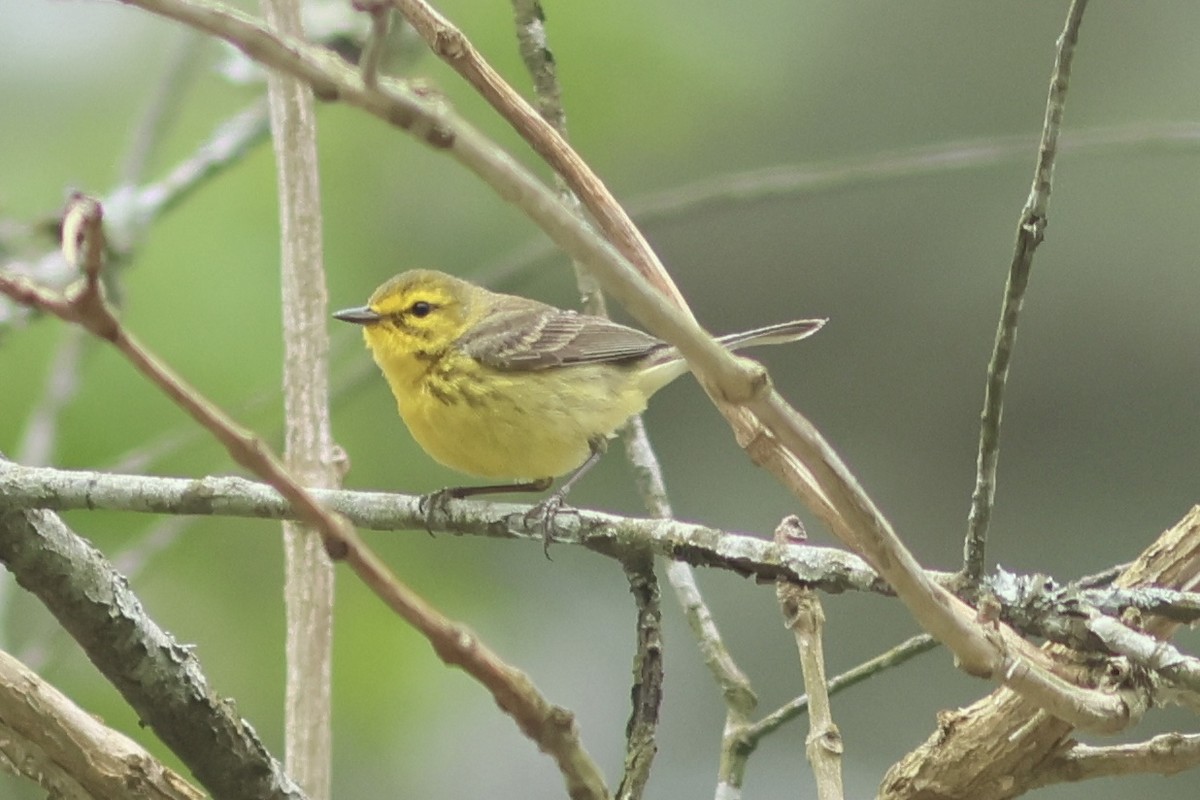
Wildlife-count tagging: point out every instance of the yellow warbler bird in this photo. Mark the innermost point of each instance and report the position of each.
(507, 388)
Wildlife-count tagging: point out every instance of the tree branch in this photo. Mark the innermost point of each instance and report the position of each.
(894, 657)
(159, 678)
(1030, 230)
(803, 615)
(62, 490)
(308, 449)
(1166, 754)
(764, 184)
(69, 752)
(993, 749)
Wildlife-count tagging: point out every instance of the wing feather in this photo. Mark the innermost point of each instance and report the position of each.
(534, 336)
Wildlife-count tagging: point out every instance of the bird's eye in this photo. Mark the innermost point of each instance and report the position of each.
(420, 308)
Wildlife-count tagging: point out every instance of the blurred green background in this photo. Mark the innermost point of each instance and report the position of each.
(1100, 430)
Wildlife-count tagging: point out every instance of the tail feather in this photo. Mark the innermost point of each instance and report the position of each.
(780, 333)
(667, 365)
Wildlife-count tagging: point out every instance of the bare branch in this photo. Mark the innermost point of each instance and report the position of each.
(452, 46)
(803, 615)
(70, 752)
(1161, 657)
(992, 749)
(40, 437)
(823, 567)
(160, 679)
(160, 110)
(641, 745)
(308, 449)
(1166, 754)
(764, 184)
(901, 653)
(1030, 229)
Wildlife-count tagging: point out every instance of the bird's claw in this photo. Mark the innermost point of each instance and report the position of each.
(545, 515)
(430, 504)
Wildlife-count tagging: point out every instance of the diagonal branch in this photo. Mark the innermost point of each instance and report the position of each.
(159, 678)
(452, 46)
(69, 752)
(553, 728)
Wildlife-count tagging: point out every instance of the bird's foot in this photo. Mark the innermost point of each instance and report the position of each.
(545, 516)
(429, 505)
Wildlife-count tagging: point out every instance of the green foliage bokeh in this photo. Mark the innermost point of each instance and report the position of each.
(1100, 433)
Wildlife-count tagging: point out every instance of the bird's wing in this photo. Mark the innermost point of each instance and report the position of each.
(536, 337)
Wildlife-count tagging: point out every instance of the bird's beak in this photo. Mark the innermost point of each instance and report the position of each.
(362, 315)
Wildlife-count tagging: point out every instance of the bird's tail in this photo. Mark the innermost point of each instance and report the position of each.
(780, 333)
(667, 365)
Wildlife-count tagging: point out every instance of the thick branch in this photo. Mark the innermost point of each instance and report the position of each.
(71, 753)
(159, 678)
(994, 749)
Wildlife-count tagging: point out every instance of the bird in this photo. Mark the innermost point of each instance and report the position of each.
(507, 388)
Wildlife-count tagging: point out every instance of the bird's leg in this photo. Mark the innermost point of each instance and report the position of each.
(546, 510)
(431, 503)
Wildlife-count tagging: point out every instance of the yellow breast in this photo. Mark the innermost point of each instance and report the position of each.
(511, 425)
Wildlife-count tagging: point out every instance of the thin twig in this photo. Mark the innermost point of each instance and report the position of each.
(380, 12)
(803, 615)
(826, 568)
(231, 141)
(1031, 228)
(906, 650)
(160, 110)
(790, 181)
(646, 696)
(40, 437)
(130, 210)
